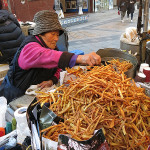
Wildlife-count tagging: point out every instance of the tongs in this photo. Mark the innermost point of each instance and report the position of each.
(105, 62)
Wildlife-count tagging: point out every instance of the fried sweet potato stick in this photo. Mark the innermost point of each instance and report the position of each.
(103, 98)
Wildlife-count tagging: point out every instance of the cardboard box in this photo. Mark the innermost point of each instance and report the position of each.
(1, 80)
(25, 30)
(3, 70)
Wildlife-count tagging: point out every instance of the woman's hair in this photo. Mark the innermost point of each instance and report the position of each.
(1, 4)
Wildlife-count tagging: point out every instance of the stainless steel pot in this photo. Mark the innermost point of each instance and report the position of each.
(109, 53)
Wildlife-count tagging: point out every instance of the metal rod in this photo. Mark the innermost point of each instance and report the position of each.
(146, 16)
(145, 29)
(139, 22)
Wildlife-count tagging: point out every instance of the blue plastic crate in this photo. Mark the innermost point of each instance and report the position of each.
(77, 52)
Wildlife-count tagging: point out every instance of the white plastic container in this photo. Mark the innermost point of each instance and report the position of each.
(3, 108)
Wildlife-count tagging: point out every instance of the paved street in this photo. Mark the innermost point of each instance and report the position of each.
(103, 30)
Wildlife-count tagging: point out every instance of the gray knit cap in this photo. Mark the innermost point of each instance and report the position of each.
(46, 21)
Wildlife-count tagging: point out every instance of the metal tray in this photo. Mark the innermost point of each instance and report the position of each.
(112, 53)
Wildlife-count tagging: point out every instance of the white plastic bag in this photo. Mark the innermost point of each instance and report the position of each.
(3, 108)
(60, 14)
(131, 34)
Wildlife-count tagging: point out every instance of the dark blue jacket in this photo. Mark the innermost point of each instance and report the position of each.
(11, 36)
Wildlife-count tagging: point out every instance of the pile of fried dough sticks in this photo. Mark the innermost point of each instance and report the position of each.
(101, 98)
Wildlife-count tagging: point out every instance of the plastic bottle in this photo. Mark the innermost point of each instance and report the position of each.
(3, 108)
(8, 127)
(14, 123)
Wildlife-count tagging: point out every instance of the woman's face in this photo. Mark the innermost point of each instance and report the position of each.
(51, 38)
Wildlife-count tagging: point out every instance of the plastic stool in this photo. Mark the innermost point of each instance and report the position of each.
(77, 52)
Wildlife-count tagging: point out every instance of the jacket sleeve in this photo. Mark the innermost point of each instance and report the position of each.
(33, 55)
(56, 76)
(14, 19)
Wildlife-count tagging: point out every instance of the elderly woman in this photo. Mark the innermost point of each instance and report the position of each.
(38, 61)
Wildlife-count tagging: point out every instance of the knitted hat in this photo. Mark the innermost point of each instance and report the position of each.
(46, 21)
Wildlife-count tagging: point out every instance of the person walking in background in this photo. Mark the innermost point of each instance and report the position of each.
(11, 35)
(131, 8)
(123, 8)
(59, 12)
(60, 6)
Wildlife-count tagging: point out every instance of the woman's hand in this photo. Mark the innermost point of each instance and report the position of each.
(45, 84)
(89, 59)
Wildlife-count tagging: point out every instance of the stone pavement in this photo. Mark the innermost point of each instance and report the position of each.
(103, 30)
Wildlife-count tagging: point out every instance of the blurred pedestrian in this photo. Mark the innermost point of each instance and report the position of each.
(59, 10)
(131, 8)
(11, 35)
(61, 6)
(123, 8)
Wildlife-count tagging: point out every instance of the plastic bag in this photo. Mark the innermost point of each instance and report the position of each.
(60, 13)
(131, 34)
(48, 117)
(11, 143)
(65, 142)
(3, 108)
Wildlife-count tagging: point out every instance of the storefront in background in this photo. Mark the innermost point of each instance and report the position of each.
(99, 5)
(25, 9)
(72, 6)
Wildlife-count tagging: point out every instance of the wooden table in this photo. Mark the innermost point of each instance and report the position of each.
(3, 71)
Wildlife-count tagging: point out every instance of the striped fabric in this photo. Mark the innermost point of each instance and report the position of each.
(46, 21)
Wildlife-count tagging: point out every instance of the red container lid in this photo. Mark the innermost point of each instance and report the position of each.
(2, 131)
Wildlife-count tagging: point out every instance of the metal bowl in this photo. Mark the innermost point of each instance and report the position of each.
(112, 53)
